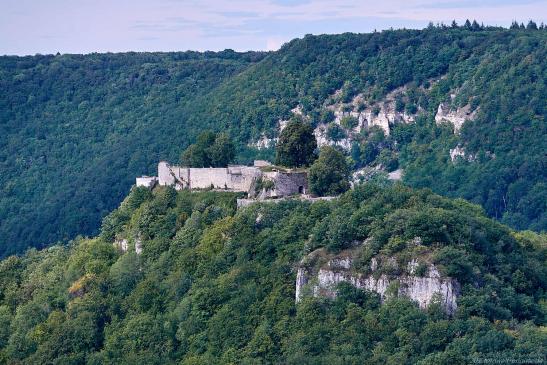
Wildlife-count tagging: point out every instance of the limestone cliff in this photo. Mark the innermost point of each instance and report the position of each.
(457, 116)
(322, 279)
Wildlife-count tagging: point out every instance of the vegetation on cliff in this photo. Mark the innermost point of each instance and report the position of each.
(217, 286)
(78, 129)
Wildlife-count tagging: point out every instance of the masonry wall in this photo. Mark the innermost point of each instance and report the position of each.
(166, 172)
(205, 177)
(234, 178)
(146, 181)
(288, 183)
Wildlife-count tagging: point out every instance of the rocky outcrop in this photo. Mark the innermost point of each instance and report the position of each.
(381, 114)
(456, 152)
(320, 133)
(383, 117)
(459, 153)
(138, 246)
(457, 117)
(264, 143)
(395, 175)
(424, 289)
(121, 244)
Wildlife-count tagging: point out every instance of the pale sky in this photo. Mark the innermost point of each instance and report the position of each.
(84, 26)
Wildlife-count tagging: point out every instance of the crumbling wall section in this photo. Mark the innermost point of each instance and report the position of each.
(291, 183)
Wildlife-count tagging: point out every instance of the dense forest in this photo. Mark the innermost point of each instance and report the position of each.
(77, 129)
(216, 285)
(80, 128)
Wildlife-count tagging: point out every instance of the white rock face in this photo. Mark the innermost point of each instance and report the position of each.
(364, 174)
(412, 266)
(368, 118)
(459, 152)
(457, 117)
(297, 110)
(320, 133)
(420, 289)
(138, 246)
(395, 175)
(455, 152)
(264, 143)
(340, 263)
(301, 281)
(121, 244)
(282, 125)
(380, 114)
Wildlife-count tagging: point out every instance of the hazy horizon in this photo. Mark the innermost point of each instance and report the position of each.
(29, 27)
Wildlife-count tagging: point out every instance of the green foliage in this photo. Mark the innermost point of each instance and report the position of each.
(217, 286)
(335, 132)
(349, 122)
(327, 116)
(296, 146)
(505, 174)
(90, 125)
(329, 174)
(78, 129)
(210, 150)
(262, 184)
(455, 263)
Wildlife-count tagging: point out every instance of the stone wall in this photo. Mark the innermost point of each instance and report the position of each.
(203, 178)
(171, 175)
(233, 178)
(146, 181)
(288, 183)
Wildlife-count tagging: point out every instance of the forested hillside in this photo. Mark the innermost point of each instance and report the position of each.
(213, 285)
(77, 129)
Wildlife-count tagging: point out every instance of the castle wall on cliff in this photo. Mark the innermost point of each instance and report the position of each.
(237, 178)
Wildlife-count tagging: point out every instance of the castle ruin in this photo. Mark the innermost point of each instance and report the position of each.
(262, 180)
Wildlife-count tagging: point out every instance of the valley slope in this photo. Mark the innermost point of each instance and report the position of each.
(210, 284)
(77, 129)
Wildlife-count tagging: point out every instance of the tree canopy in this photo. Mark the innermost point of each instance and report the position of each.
(329, 174)
(296, 146)
(77, 129)
(210, 150)
(216, 285)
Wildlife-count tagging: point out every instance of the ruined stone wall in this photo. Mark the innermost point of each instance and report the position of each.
(243, 178)
(203, 178)
(146, 181)
(171, 175)
(288, 183)
(233, 178)
(236, 178)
